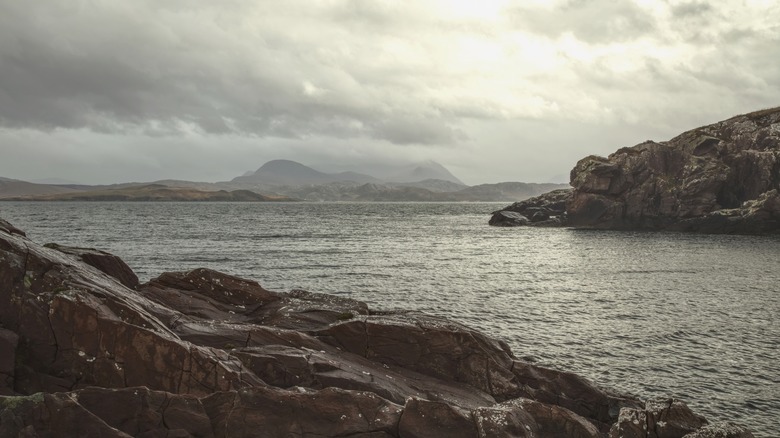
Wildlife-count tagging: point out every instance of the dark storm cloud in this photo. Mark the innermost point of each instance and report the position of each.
(163, 69)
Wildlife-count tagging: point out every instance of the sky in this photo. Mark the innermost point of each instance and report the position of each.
(106, 91)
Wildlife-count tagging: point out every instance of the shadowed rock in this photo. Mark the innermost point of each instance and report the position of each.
(206, 354)
(108, 263)
(720, 178)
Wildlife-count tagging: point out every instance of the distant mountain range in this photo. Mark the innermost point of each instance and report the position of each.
(291, 173)
(285, 179)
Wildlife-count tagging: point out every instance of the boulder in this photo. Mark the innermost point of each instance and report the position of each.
(547, 210)
(669, 418)
(505, 218)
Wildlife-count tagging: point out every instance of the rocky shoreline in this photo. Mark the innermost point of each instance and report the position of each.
(85, 350)
(722, 178)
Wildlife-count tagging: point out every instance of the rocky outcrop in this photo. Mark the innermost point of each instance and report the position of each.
(720, 178)
(205, 354)
(547, 210)
(671, 418)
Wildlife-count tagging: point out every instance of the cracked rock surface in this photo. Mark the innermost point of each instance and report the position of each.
(86, 351)
(720, 178)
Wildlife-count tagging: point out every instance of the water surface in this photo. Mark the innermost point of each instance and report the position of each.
(654, 314)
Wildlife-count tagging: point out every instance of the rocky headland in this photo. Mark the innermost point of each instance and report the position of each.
(720, 178)
(85, 350)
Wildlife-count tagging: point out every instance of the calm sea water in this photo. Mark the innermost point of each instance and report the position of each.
(654, 314)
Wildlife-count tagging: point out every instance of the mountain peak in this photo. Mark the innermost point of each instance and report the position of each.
(424, 171)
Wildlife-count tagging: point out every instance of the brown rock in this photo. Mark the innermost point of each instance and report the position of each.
(572, 392)
(659, 419)
(721, 430)
(50, 415)
(105, 262)
(274, 412)
(6, 227)
(720, 178)
(430, 419)
(688, 183)
(547, 210)
(528, 418)
(8, 343)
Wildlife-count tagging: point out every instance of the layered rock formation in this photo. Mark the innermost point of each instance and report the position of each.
(87, 351)
(720, 178)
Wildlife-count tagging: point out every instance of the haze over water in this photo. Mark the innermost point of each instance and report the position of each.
(655, 314)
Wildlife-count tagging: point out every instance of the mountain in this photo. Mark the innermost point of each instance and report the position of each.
(424, 171)
(283, 179)
(291, 173)
(719, 178)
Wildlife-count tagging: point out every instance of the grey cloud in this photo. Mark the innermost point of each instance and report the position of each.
(592, 21)
(689, 9)
(156, 68)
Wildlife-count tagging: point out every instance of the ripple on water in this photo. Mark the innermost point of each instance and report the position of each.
(655, 314)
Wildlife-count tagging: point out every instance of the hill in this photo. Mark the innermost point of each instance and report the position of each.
(10, 188)
(291, 173)
(155, 192)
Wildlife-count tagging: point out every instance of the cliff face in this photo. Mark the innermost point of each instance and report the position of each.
(720, 178)
(87, 351)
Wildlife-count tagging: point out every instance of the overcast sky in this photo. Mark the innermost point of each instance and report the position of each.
(100, 91)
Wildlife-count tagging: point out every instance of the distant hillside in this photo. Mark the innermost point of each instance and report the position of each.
(285, 179)
(429, 170)
(155, 192)
(509, 190)
(402, 193)
(434, 185)
(291, 173)
(10, 188)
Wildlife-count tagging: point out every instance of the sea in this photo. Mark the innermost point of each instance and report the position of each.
(654, 314)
